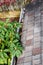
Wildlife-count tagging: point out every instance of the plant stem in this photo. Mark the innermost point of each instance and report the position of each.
(15, 60)
(8, 61)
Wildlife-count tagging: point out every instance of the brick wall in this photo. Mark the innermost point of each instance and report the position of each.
(32, 38)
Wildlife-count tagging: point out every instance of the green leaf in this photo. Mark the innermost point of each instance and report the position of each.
(5, 55)
(6, 50)
(17, 36)
(2, 47)
(7, 20)
(15, 41)
(18, 53)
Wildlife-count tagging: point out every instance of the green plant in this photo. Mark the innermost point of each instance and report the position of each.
(10, 44)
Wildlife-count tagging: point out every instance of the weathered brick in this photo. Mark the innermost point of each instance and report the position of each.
(36, 51)
(23, 37)
(36, 57)
(37, 34)
(20, 64)
(27, 59)
(29, 26)
(30, 29)
(42, 56)
(29, 33)
(29, 37)
(30, 21)
(24, 28)
(37, 29)
(20, 60)
(28, 63)
(42, 12)
(28, 48)
(36, 62)
(28, 42)
(29, 53)
(37, 45)
(37, 38)
(37, 19)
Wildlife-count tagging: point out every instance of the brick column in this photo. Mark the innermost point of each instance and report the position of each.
(32, 38)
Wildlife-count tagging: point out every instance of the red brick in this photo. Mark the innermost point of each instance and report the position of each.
(36, 51)
(28, 42)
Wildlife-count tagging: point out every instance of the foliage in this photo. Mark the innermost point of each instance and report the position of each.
(10, 44)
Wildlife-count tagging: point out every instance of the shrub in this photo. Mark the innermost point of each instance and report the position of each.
(10, 44)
